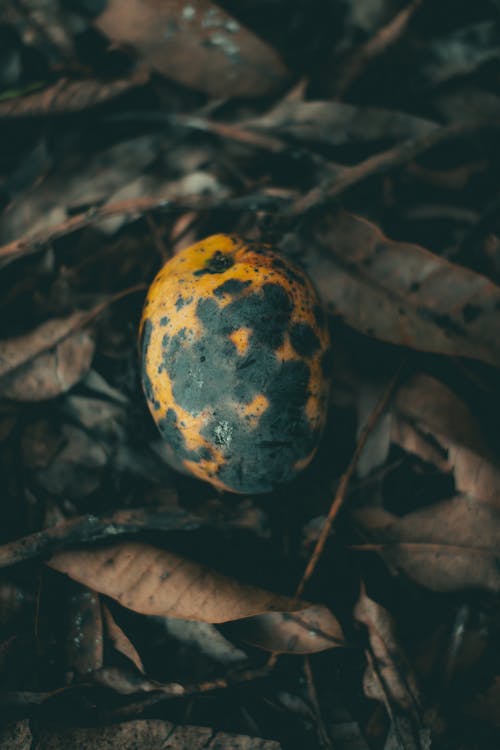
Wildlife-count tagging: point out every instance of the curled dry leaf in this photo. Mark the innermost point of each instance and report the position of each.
(153, 581)
(402, 293)
(389, 677)
(48, 361)
(433, 423)
(119, 640)
(196, 44)
(309, 631)
(449, 546)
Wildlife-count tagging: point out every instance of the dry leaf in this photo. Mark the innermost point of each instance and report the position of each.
(337, 123)
(197, 44)
(449, 546)
(309, 631)
(48, 361)
(119, 640)
(432, 422)
(402, 293)
(153, 581)
(67, 96)
(153, 734)
(389, 677)
(16, 736)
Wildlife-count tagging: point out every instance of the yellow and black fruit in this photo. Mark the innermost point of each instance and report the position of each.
(235, 349)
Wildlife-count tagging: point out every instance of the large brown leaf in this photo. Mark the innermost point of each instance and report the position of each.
(154, 581)
(196, 44)
(47, 361)
(402, 293)
(449, 546)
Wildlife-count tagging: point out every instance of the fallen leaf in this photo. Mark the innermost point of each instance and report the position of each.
(197, 44)
(77, 469)
(154, 581)
(154, 734)
(204, 638)
(337, 123)
(16, 736)
(461, 51)
(48, 361)
(119, 640)
(389, 677)
(67, 96)
(450, 546)
(310, 631)
(402, 293)
(432, 422)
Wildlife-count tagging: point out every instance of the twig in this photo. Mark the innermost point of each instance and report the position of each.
(175, 690)
(323, 735)
(89, 528)
(379, 163)
(29, 245)
(374, 47)
(340, 495)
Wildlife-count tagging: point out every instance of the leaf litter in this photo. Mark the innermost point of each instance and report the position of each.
(361, 138)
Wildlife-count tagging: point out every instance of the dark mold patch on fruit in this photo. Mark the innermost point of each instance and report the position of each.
(288, 271)
(181, 302)
(174, 437)
(147, 330)
(217, 263)
(231, 287)
(303, 339)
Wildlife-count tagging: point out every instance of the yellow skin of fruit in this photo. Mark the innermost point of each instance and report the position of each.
(234, 347)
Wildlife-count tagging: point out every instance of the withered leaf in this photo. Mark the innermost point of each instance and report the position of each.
(432, 422)
(153, 581)
(120, 641)
(449, 546)
(67, 96)
(16, 736)
(402, 293)
(48, 361)
(197, 44)
(338, 123)
(309, 631)
(84, 642)
(154, 734)
(389, 677)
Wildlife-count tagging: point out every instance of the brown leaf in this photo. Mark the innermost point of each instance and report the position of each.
(432, 422)
(153, 581)
(16, 736)
(310, 631)
(389, 677)
(154, 734)
(68, 96)
(449, 546)
(46, 362)
(196, 44)
(404, 294)
(120, 641)
(338, 123)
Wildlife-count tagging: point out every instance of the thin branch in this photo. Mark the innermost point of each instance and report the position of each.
(340, 495)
